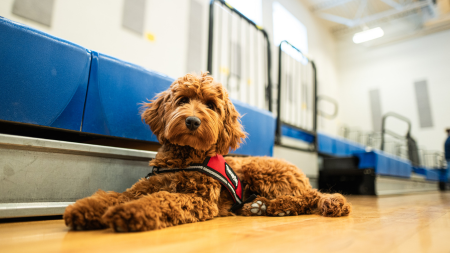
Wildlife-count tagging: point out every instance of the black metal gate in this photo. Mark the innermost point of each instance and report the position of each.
(297, 95)
(239, 55)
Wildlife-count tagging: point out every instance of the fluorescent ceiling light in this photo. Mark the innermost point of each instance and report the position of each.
(367, 35)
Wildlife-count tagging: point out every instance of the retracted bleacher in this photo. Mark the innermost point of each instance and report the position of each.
(352, 168)
(347, 166)
(56, 97)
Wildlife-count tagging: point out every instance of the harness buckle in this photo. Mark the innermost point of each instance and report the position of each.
(153, 171)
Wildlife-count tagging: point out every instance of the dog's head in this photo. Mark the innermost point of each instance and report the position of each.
(195, 111)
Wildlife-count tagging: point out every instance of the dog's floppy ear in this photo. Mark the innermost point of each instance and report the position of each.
(232, 134)
(153, 114)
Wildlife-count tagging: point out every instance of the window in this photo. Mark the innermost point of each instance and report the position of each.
(287, 27)
(252, 9)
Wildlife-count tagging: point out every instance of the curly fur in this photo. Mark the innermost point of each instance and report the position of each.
(182, 197)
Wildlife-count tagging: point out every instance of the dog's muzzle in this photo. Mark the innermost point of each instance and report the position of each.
(192, 123)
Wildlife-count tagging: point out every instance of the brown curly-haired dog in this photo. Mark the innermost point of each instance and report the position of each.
(170, 199)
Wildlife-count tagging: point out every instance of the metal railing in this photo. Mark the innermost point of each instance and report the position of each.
(239, 55)
(297, 92)
(405, 146)
(391, 133)
(433, 159)
(397, 145)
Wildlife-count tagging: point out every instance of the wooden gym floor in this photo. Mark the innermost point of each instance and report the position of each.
(402, 223)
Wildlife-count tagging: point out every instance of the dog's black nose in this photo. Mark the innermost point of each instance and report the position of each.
(193, 123)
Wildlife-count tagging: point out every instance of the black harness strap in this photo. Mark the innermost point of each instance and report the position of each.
(235, 191)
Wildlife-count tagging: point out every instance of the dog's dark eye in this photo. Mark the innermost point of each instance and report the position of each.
(211, 106)
(184, 100)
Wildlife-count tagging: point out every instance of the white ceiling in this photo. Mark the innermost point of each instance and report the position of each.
(400, 19)
(344, 15)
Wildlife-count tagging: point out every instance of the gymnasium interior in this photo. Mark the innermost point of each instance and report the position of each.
(355, 93)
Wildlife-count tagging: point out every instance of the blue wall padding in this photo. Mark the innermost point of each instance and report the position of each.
(43, 79)
(337, 146)
(430, 174)
(116, 91)
(384, 164)
(260, 126)
(292, 132)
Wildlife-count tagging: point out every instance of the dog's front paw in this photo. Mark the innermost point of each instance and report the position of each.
(85, 214)
(130, 217)
(257, 207)
(334, 205)
(283, 206)
(283, 213)
(279, 212)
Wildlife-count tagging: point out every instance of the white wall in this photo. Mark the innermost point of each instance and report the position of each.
(393, 69)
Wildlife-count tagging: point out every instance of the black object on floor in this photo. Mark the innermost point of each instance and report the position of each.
(343, 175)
(27, 219)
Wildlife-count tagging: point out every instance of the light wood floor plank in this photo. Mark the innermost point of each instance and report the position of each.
(404, 223)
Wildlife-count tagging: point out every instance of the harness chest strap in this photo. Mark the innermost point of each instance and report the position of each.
(217, 168)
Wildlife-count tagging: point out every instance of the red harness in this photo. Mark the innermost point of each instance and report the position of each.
(217, 168)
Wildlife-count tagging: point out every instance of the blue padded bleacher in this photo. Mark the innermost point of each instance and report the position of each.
(429, 174)
(260, 126)
(381, 162)
(48, 81)
(295, 133)
(337, 147)
(43, 79)
(116, 90)
(384, 164)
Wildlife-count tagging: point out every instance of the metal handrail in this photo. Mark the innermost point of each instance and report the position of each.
(393, 134)
(279, 123)
(211, 38)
